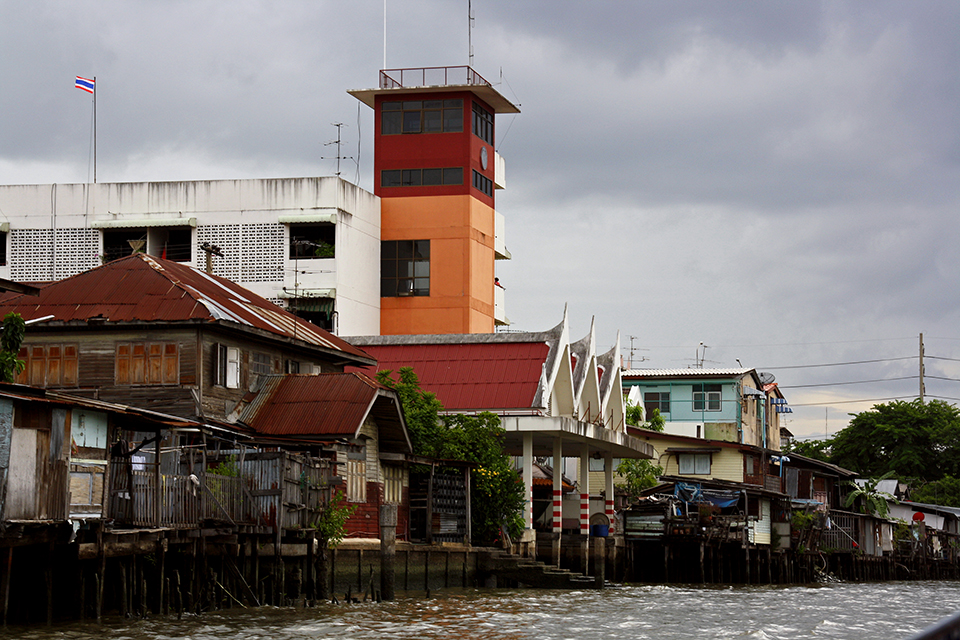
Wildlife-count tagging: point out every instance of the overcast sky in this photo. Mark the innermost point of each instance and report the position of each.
(777, 180)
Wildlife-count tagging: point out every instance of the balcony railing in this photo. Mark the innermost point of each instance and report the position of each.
(430, 77)
(271, 489)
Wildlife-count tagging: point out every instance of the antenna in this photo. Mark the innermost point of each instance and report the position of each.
(701, 356)
(337, 142)
(470, 21)
(632, 350)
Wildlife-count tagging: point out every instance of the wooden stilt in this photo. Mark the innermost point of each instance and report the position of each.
(161, 574)
(703, 571)
(5, 584)
(48, 574)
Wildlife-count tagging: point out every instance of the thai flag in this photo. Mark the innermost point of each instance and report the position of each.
(84, 83)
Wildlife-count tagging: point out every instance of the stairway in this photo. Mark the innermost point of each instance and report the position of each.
(532, 573)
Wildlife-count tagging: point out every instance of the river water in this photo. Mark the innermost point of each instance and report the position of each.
(875, 611)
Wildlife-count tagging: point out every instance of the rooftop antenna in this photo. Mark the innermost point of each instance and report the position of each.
(701, 355)
(337, 142)
(470, 21)
(384, 34)
(634, 349)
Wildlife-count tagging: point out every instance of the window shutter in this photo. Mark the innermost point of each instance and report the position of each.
(219, 364)
(233, 368)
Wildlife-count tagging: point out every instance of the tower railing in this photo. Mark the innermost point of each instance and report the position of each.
(430, 77)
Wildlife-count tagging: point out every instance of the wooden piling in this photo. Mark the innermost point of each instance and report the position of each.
(388, 551)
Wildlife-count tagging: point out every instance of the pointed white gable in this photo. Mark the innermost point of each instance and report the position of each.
(611, 388)
(586, 378)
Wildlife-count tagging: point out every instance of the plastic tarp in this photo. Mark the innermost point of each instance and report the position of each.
(722, 499)
(688, 492)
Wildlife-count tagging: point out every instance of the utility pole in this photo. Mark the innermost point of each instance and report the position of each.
(211, 250)
(922, 389)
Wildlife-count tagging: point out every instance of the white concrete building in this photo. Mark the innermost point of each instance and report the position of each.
(309, 243)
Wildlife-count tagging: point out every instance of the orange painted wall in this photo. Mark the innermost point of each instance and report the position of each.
(461, 233)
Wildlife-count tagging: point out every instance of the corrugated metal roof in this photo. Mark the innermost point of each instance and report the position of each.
(476, 376)
(326, 406)
(142, 288)
(632, 374)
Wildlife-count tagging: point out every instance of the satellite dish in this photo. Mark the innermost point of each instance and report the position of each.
(766, 377)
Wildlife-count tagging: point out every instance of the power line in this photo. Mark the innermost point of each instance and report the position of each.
(838, 364)
(830, 404)
(942, 358)
(834, 384)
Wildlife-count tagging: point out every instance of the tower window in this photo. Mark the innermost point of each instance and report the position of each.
(482, 124)
(421, 177)
(482, 183)
(404, 268)
(421, 116)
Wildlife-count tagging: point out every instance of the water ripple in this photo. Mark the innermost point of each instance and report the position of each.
(879, 611)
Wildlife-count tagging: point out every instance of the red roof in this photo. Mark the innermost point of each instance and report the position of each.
(326, 406)
(471, 376)
(142, 288)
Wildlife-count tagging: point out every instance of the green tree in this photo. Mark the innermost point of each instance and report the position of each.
(655, 422)
(11, 337)
(816, 449)
(637, 475)
(871, 501)
(496, 487)
(910, 439)
(332, 519)
(634, 418)
(945, 492)
(421, 410)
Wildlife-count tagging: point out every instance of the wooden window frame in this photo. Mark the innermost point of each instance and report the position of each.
(50, 365)
(146, 363)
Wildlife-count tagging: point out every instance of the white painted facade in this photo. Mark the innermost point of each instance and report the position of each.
(54, 231)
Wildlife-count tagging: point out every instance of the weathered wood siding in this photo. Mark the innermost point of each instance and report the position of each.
(219, 400)
(38, 483)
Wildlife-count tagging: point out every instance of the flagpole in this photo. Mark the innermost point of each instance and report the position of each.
(94, 129)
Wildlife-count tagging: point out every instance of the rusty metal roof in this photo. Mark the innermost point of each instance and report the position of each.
(471, 376)
(143, 419)
(326, 406)
(142, 288)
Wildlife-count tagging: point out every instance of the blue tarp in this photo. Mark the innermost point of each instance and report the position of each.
(722, 499)
(689, 492)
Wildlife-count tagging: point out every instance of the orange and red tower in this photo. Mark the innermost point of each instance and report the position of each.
(436, 173)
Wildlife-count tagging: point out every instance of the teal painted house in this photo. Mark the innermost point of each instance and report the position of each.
(731, 405)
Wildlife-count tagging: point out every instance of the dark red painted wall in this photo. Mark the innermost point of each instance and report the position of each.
(432, 150)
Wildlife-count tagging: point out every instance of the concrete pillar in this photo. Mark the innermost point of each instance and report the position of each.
(608, 486)
(388, 551)
(599, 561)
(557, 501)
(584, 482)
(528, 480)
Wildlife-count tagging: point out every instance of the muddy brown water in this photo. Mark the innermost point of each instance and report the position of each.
(875, 611)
